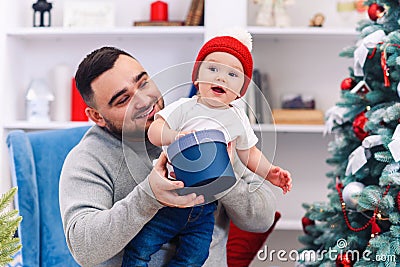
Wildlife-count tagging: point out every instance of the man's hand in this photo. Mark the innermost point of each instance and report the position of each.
(164, 189)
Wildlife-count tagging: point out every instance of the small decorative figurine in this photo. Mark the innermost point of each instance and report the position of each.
(40, 9)
(273, 13)
(318, 20)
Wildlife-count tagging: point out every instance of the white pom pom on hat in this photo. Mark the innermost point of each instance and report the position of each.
(239, 33)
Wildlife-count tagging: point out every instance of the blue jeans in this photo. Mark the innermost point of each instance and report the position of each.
(193, 228)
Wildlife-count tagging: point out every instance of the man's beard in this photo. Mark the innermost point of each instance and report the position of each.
(112, 128)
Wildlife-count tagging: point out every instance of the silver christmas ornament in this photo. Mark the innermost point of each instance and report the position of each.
(351, 193)
(398, 89)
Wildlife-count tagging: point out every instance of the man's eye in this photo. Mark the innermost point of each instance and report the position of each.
(123, 100)
(143, 84)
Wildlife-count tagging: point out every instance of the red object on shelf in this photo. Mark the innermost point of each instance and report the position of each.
(159, 11)
(78, 106)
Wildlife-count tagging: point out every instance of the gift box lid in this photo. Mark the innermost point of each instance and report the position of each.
(195, 138)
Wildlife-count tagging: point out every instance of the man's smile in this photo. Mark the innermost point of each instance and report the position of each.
(148, 112)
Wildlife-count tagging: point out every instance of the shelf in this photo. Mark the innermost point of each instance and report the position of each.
(25, 125)
(302, 32)
(288, 225)
(174, 31)
(140, 31)
(288, 128)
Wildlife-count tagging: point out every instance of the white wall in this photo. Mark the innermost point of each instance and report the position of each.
(4, 182)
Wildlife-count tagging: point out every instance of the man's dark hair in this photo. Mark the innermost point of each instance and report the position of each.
(94, 64)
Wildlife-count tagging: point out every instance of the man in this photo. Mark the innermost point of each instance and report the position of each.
(109, 189)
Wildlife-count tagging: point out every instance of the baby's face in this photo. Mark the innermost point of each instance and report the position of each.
(220, 79)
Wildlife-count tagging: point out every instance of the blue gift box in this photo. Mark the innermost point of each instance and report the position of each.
(200, 159)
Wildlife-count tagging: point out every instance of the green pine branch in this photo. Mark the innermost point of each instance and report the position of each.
(9, 222)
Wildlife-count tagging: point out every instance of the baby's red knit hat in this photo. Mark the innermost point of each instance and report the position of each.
(239, 46)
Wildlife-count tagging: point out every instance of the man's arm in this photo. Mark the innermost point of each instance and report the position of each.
(97, 227)
(250, 204)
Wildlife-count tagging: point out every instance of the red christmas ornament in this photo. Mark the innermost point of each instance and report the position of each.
(375, 11)
(306, 222)
(348, 84)
(358, 126)
(344, 260)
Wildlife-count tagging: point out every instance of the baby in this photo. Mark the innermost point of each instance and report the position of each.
(222, 73)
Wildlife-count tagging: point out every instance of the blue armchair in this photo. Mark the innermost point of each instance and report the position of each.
(36, 162)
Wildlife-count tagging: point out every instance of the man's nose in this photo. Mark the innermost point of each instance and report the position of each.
(141, 100)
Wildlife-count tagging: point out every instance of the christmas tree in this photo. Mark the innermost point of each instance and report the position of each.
(9, 221)
(360, 224)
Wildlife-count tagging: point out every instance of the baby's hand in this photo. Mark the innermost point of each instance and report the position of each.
(280, 178)
(183, 133)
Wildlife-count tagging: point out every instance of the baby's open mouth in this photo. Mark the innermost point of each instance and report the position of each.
(218, 89)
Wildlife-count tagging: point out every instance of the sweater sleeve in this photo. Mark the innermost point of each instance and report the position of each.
(97, 225)
(250, 204)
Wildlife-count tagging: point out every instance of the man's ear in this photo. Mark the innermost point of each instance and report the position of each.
(95, 116)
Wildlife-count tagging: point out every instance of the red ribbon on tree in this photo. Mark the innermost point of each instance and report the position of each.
(385, 68)
(384, 65)
(358, 126)
(375, 229)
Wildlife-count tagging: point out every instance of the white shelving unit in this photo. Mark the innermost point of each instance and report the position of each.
(288, 128)
(28, 126)
(301, 32)
(60, 33)
(297, 59)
